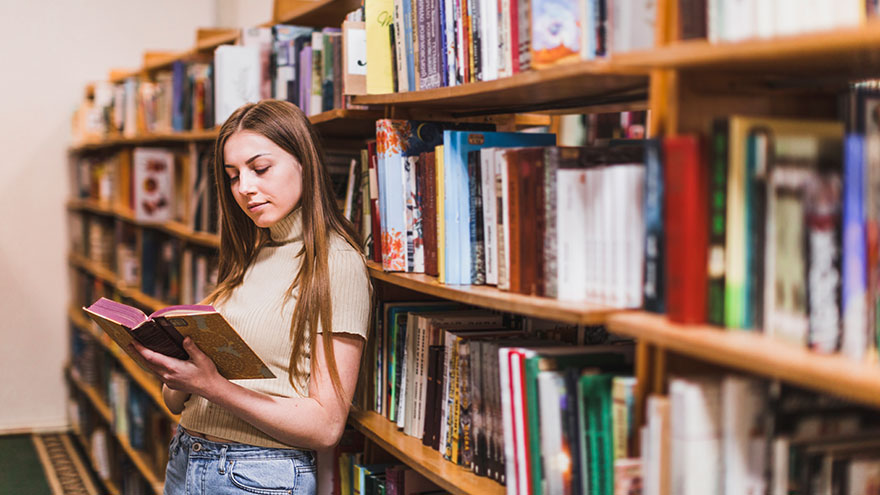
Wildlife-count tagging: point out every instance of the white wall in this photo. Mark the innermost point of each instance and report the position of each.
(48, 52)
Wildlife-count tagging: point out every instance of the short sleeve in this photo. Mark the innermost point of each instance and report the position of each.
(349, 291)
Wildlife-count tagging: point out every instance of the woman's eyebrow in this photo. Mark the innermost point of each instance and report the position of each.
(248, 161)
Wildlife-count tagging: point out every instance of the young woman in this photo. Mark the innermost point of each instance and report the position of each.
(293, 283)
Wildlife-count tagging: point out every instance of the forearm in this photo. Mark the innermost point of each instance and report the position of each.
(301, 421)
(174, 399)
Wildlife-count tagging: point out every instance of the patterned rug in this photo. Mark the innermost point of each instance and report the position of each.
(63, 465)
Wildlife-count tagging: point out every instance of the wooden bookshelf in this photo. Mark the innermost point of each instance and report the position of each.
(148, 383)
(173, 228)
(842, 53)
(489, 297)
(756, 353)
(317, 13)
(574, 85)
(138, 458)
(336, 123)
(425, 460)
(109, 485)
(107, 275)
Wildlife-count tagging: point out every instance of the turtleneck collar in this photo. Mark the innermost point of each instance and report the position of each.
(288, 229)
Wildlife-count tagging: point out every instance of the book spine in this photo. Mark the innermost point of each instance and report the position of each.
(400, 45)
(430, 55)
(717, 222)
(464, 421)
(514, 223)
(430, 396)
(686, 235)
(854, 342)
(653, 288)
(475, 202)
(477, 396)
(529, 169)
(503, 221)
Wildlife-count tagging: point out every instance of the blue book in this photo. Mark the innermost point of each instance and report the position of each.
(654, 253)
(456, 204)
(408, 45)
(178, 82)
(854, 342)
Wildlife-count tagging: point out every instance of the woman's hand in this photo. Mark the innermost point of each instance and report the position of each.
(198, 375)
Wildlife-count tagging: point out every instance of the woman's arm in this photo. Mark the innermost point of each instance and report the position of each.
(174, 399)
(314, 422)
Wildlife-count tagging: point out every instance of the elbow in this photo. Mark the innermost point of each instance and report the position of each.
(330, 436)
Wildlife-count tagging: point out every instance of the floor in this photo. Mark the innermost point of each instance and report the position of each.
(47, 464)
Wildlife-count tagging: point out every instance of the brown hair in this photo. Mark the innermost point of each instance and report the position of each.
(240, 239)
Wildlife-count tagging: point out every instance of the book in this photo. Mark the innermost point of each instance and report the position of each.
(163, 331)
(238, 74)
(153, 184)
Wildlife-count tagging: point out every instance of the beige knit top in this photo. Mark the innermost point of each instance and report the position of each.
(257, 310)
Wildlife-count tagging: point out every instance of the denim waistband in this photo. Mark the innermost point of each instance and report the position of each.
(200, 447)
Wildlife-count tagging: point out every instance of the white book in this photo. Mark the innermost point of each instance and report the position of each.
(449, 14)
(787, 17)
(153, 184)
(765, 18)
(634, 236)
(740, 18)
(655, 446)
(503, 233)
(695, 429)
(505, 53)
(400, 48)
(742, 404)
(618, 175)
(551, 391)
(237, 79)
(779, 466)
(520, 447)
(130, 93)
(714, 21)
(592, 215)
(845, 13)
(605, 279)
(490, 219)
(349, 189)
(489, 20)
(507, 420)
(261, 38)
(316, 102)
(571, 236)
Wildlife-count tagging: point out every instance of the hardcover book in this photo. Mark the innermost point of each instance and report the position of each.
(163, 331)
(153, 184)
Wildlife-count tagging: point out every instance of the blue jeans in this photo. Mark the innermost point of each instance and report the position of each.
(201, 467)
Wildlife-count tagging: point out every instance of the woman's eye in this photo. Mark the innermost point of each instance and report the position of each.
(233, 179)
(261, 171)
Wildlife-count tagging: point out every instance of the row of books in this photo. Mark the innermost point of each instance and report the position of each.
(481, 207)
(108, 458)
(736, 20)
(739, 435)
(519, 401)
(135, 417)
(775, 233)
(427, 44)
(299, 64)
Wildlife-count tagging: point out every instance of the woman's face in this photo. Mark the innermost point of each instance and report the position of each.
(265, 180)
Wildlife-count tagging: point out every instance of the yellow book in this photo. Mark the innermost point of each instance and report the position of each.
(441, 214)
(165, 330)
(379, 20)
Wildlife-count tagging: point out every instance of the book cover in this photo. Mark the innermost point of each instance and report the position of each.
(430, 44)
(164, 331)
(456, 146)
(475, 208)
(717, 221)
(379, 16)
(490, 221)
(153, 184)
(439, 174)
(555, 32)
(854, 339)
(238, 78)
(429, 212)
(354, 58)
(375, 210)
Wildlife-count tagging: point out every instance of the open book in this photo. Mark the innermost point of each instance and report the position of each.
(164, 331)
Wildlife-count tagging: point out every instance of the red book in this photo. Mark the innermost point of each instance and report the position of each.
(374, 202)
(687, 237)
(429, 213)
(514, 197)
(531, 256)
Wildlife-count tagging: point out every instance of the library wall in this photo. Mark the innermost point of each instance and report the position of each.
(58, 51)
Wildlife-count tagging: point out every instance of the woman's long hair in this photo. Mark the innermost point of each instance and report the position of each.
(240, 239)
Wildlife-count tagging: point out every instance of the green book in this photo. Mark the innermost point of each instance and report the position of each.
(597, 444)
(616, 358)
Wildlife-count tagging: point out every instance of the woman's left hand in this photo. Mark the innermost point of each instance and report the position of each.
(195, 376)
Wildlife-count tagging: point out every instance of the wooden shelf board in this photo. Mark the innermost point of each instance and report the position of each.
(586, 82)
(850, 50)
(174, 228)
(317, 13)
(209, 39)
(108, 276)
(756, 353)
(425, 460)
(145, 139)
(136, 456)
(147, 382)
(490, 297)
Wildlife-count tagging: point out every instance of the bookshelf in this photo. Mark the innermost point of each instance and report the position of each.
(685, 84)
